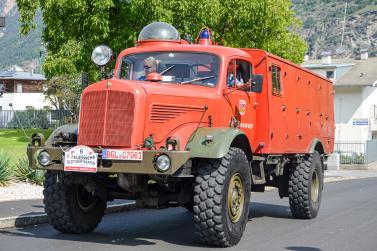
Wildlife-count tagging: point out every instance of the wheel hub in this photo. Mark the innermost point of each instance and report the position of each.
(85, 200)
(314, 186)
(236, 198)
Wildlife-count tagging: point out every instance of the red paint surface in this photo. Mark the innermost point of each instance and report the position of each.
(166, 110)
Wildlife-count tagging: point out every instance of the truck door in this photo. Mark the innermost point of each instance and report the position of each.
(279, 136)
(241, 101)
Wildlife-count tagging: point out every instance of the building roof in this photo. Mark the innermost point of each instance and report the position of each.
(362, 72)
(325, 66)
(17, 75)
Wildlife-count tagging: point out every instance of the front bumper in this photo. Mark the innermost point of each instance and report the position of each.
(146, 166)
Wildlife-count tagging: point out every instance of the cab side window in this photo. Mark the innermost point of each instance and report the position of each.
(230, 74)
(276, 80)
(239, 72)
(243, 71)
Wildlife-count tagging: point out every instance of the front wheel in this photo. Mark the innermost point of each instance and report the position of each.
(70, 207)
(221, 198)
(305, 187)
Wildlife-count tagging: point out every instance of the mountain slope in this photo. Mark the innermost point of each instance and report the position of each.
(14, 47)
(322, 29)
(323, 25)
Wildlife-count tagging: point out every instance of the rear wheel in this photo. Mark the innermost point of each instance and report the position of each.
(305, 187)
(70, 207)
(221, 198)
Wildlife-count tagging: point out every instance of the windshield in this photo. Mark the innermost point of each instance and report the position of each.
(174, 67)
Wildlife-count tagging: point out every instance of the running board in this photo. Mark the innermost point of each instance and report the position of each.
(261, 178)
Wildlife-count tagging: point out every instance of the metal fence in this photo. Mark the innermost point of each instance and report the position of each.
(351, 152)
(36, 118)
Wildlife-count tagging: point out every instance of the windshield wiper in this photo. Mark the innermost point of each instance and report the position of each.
(195, 79)
(166, 70)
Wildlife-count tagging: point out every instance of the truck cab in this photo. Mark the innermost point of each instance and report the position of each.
(193, 125)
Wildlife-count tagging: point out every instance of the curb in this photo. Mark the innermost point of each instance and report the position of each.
(27, 220)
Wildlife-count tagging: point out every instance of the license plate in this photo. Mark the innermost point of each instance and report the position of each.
(120, 154)
(80, 159)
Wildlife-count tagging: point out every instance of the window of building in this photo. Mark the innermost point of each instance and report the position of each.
(276, 80)
(8, 87)
(330, 74)
(1, 108)
(2, 89)
(19, 87)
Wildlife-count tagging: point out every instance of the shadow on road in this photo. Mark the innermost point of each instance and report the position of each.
(301, 248)
(143, 227)
(258, 210)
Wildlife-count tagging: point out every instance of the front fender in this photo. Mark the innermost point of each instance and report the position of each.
(68, 128)
(201, 146)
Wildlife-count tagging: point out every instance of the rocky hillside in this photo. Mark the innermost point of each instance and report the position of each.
(16, 49)
(322, 28)
(323, 25)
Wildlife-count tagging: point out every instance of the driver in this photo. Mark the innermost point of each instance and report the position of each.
(150, 65)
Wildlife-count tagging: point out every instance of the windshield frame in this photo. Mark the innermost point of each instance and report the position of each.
(119, 71)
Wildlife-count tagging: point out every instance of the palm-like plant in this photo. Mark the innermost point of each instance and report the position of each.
(24, 173)
(6, 172)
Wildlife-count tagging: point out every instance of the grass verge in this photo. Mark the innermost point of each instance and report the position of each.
(13, 142)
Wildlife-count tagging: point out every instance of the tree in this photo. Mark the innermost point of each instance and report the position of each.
(63, 92)
(74, 27)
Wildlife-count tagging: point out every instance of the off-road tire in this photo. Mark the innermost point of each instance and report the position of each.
(211, 217)
(63, 209)
(302, 205)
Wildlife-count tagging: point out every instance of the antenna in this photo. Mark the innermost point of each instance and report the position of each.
(344, 25)
(15, 114)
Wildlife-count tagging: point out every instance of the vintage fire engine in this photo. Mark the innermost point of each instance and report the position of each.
(192, 125)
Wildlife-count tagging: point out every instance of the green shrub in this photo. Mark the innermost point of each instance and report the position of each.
(30, 119)
(6, 173)
(355, 158)
(24, 173)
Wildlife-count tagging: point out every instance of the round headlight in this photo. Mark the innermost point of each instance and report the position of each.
(162, 163)
(102, 55)
(44, 158)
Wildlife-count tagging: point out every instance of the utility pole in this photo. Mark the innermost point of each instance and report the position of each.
(344, 24)
(2, 22)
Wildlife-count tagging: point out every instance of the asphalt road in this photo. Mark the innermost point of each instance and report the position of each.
(347, 221)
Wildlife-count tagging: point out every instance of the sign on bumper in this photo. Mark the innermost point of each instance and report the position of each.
(80, 159)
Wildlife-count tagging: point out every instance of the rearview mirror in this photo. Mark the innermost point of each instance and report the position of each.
(256, 83)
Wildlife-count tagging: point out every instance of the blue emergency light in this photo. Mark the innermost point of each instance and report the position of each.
(205, 37)
(204, 34)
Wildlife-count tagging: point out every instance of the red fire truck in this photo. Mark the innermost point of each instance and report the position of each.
(192, 125)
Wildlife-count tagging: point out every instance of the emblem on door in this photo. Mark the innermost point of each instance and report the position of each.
(242, 107)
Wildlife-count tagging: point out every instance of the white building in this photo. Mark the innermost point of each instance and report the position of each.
(355, 100)
(21, 89)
